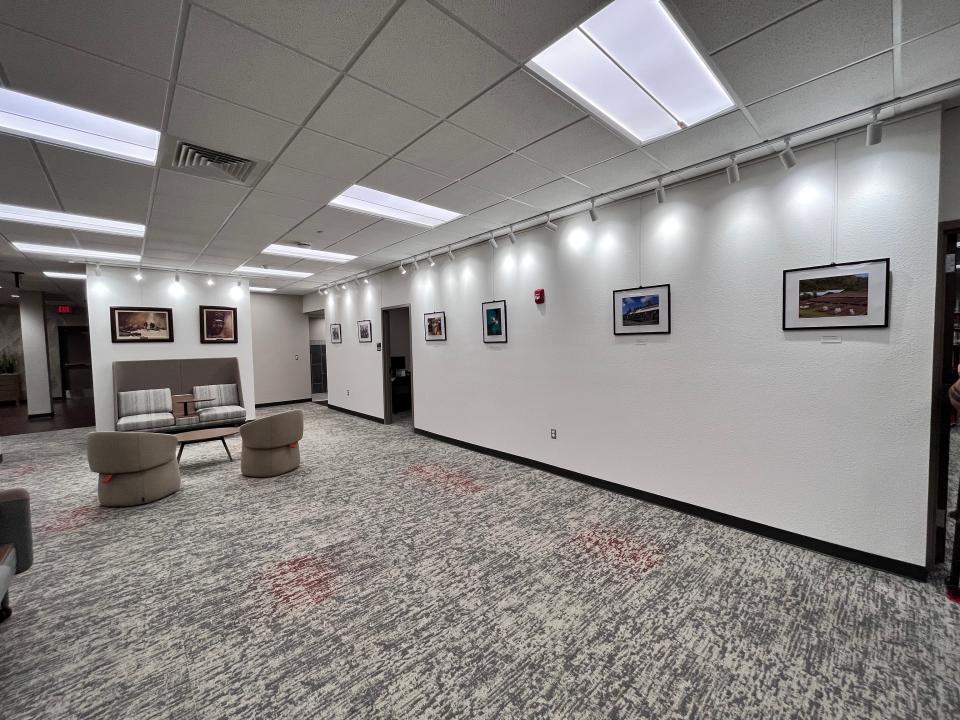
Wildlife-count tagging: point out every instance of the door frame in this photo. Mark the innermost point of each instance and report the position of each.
(385, 363)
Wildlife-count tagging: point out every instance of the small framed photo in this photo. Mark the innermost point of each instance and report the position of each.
(642, 310)
(218, 324)
(335, 333)
(365, 331)
(495, 321)
(435, 326)
(849, 295)
(141, 324)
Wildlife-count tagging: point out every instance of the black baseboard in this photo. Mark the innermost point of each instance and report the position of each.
(37, 416)
(321, 402)
(282, 402)
(355, 413)
(897, 567)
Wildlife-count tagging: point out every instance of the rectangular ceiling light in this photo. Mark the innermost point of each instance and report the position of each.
(374, 202)
(64, 275)
(307, 253)
(254, 288)
(249, 270)
(84, 223)
(50, 122)
(75, 252)
(633, 66)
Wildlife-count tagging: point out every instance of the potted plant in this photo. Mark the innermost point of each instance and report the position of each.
(9, 378)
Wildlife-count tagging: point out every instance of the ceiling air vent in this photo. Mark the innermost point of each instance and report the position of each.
(211, 163)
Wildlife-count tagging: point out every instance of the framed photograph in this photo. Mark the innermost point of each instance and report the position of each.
(642, 310)
(495, 321)
(141, 324)
(218, 324)
(365, 330)
(435, 326)
(849, 295)
(335, 333)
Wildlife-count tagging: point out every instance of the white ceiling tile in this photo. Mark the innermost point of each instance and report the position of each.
(250, 223)
(328, 225)
(231, 62)
(584, 143)
(406, 180)
(517, 112)
(52, 71)
(619, 172)
(164, 262)
(138, 33)
(281, 205)
(512, 176)
(375, 237)
(163, 239)
(457, 230)
(931, 61)
(284, 180)
(924, 16)
(839, 93)
(555, 195)
(704, 141)
(193, 188)
(174, 256)
(523, 27)
(814, 41)
(720, 22)
(428, 59)
(452, 152)
(463, 198)
(366, 116)
(22, 181)
(223, 126)
(332, 31)
(330, 157)
(503, 213)
(99, 186)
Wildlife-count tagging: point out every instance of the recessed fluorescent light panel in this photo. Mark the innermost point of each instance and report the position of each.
(64, 275)
(85, 223)
(632, 65)
(254, 288)
(75, 252)
(374, 202)
(307, 254)
(247, 270)
(51, 122)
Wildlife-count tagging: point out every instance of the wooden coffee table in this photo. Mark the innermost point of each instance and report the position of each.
(193, 437)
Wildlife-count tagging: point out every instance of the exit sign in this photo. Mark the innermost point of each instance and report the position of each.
(64, 309)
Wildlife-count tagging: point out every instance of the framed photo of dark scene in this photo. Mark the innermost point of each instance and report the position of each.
(335, 334)
(218, 324)
(642, 310)
(435, 326)
(365, 330)
(849, 295)
(495, 321)
(141, 324)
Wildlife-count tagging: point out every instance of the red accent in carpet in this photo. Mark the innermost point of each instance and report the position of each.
(450, 480)
(620, 551)
(304, 580)
(74, 518)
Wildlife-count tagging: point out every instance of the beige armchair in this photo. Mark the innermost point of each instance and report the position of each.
(135, 467)
(271, 444)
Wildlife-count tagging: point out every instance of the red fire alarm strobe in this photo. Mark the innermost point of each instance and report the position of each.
(538, 296)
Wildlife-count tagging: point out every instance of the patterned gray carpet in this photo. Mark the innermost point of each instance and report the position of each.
(393, 576)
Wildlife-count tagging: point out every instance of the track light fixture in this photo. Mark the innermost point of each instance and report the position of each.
(176, 276)
(430, 258)
(403, 270)
(875, 130)
(98, 271)
(733, 171)
(550, 224)
(593, 211)
(356, 281)
(210, 280)
(450, 253)
(492, 240)
(512, 235)
(787, 157)
(366, 281)
(416, 264)
(661, 192)
(343, 287)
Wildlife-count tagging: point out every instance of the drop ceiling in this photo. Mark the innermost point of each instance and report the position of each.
(428, 99)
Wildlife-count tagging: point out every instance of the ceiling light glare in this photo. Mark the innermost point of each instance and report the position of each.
(874, 130)
(733, 171)
(326, 291)
(787, 157)
(661, 193)
(593, 211)
(64, 275)
(493, 241)
(138, 276)
(249, 270)
(551, 225)
(403, 270)
(84, 223)
(50, 122)
(307, 254)
(210, 282)
(255, 288)
(632, 65)
(366, 281)
(75, 252)
(393, 207)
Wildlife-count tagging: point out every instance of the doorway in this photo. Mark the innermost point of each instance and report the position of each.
(76, 377)
(397, 366)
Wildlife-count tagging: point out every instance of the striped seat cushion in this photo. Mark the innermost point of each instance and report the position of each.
(144, 402)
(221, 394)
(145, 421)
(224, 412)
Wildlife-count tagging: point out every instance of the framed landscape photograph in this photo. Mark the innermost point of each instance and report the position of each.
(849, 295)
(141, 324)
(435, 326)
(642, 310)
(335, 333)
(495, 321)
(365, 331)
(218, 324)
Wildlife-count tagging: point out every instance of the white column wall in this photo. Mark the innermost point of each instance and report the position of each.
(33, 333)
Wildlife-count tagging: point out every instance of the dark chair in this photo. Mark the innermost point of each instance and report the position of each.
(16, 541)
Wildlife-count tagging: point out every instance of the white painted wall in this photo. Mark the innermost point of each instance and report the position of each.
(950, 167)
(728, 412)
(281, 347)
(33, 331)
(319, 333)
(117, 287)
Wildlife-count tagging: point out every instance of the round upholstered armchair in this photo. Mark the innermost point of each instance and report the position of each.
(271, 445)
(135, 467)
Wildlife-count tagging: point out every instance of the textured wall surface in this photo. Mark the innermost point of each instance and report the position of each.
(728, 412)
